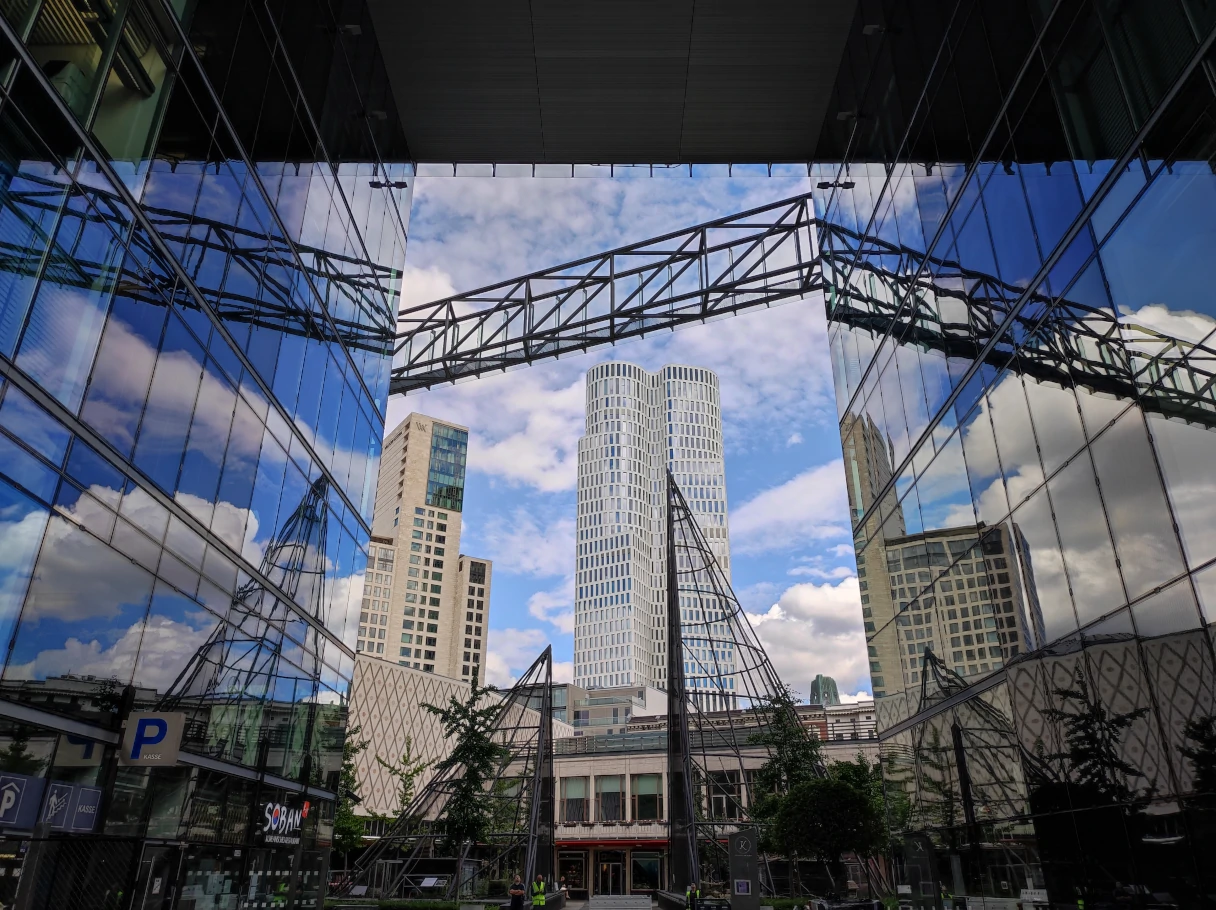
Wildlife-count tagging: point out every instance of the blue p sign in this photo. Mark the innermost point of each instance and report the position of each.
(152, 738)
(149, 731)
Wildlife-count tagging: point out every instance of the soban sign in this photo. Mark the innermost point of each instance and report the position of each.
(281, 824)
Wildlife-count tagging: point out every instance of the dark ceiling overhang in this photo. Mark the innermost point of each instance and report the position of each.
(601, 81)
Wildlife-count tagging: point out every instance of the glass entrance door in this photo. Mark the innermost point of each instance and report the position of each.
(156, 888)
(610, 872)
(572, 867)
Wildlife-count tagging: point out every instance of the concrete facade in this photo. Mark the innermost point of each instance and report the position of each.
(425, 605)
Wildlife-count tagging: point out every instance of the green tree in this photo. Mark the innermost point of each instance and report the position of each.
(474, 759)
(1202, 733)
(406, 771)
(1094, 736)
(349, 827)
(17, 757)
(825, 818)
(794, 756)
(889, 806)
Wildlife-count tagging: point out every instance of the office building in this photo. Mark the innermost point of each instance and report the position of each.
(613, 789)
(823, 691)
(639, 426)
(432, 613)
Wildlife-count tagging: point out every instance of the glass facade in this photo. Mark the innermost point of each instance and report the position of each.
(1019, 204)
(445, 471)
(200, 257)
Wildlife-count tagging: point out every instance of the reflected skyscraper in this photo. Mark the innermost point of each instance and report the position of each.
(1022, 356)
(200, 262)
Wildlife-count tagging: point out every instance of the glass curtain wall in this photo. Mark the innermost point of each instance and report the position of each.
(1019, 203)
(203, 211)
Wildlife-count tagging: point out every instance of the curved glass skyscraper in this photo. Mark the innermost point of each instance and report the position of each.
(641, 425)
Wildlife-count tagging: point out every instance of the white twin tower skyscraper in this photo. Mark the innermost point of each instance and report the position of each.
(639, 426)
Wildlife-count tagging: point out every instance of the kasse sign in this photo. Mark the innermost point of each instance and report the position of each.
(281, 824)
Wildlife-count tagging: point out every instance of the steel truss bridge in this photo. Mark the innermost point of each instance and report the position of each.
(760, 258)
(247, 275)
(780, 252)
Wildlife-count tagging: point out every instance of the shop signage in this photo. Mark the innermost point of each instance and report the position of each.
(152, 738)
(20, 797)
(281, 823)
(72, 807)
(77, 752)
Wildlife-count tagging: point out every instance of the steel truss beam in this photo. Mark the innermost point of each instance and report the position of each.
(779, 252)
(248, 276)
(521, 796)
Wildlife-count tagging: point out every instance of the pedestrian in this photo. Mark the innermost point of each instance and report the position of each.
(538, 891)
(563, 887)
(692, 896)
(516, 893)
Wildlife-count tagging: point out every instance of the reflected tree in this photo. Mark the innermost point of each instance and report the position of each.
(939, 802)
(17, 758)
(1201, 732)
(1094, 737)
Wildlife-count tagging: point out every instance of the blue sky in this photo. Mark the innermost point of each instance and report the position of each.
(793, 565)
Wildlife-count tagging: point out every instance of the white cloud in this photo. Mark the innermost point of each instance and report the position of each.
(518, 544)
(837, 572)
(511, 652)
(816, 629)
(846, 699)
(810, 506)
(556, 606)
(794, 440)
(425, 285)
(842, 550)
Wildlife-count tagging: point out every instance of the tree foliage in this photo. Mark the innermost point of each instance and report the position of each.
(406, 771)
(17, 757)
(474, 760)
(826, 817)
(348, 827)
(1094, 736)
(1202, 733)
(794, 756)
(889, 804)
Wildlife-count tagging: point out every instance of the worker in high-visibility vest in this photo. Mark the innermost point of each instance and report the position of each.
(692, 896)
(538, 891)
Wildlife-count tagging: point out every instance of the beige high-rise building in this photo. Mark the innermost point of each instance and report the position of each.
(425, 605)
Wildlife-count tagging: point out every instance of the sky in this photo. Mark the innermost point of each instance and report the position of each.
(793, 565)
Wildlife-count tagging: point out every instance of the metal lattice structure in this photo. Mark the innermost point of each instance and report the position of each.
(248, 276)
(712, 754)
(240, 668)
(780, 252)
(520, 797)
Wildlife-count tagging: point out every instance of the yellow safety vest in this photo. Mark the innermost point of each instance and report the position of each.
(538, 894)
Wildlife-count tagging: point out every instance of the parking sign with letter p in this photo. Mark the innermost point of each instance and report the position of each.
(152, 738)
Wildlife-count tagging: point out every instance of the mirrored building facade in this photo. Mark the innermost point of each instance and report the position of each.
(1022, 203)
(203, 213)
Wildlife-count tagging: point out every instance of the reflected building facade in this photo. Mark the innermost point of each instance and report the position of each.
(202, 230)
(1018, 203)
